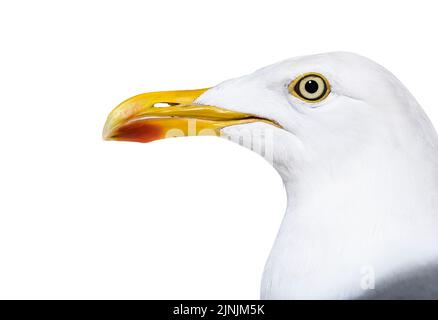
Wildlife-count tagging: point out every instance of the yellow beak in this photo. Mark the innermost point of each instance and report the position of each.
(158, 115)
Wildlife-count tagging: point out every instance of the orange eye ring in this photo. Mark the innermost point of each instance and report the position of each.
(310, 87)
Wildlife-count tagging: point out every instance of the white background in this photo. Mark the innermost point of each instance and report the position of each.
(182, 218)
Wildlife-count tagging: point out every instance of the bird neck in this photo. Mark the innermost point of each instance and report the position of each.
(372, 215)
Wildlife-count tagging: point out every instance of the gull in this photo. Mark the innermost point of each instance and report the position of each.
(359, 162)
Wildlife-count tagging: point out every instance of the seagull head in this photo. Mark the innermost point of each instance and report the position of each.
(321, 109)
(353, 147)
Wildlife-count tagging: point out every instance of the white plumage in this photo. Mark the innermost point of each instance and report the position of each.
(361, 173)
(358, 158)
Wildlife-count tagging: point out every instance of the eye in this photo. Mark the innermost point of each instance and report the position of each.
(311, 87)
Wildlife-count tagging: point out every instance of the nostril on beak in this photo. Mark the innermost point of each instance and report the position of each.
(164, 104)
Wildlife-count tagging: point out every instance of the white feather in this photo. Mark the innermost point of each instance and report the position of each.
(360, 170)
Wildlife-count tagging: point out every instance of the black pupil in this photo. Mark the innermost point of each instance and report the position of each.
(311, 86)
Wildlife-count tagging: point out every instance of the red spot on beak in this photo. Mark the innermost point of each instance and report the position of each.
(139, 131)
